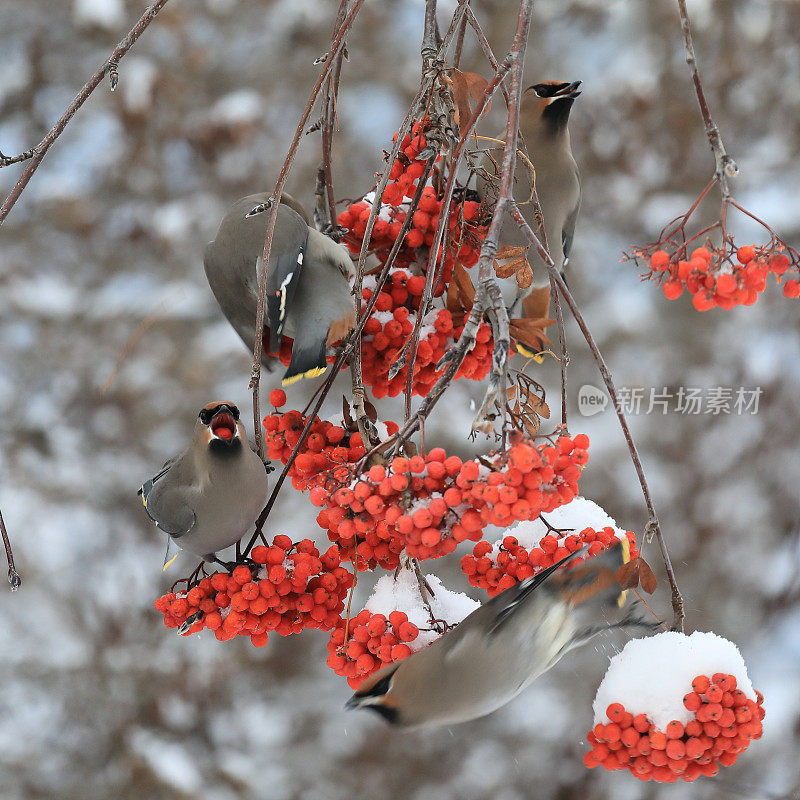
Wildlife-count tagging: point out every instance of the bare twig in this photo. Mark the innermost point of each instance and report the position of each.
(336, 44)
(725, 166)
(39, 152)
(13, 576)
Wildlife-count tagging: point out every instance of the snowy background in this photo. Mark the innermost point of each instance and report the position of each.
(97, 698)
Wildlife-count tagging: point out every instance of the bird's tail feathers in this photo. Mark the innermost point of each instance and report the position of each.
(307, 362)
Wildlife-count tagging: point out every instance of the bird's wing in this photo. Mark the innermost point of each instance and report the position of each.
(507, 603)
(323, 313)
(285, 267)
(167, 507)
(568, 231)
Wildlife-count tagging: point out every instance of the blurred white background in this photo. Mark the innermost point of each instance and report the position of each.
(97, 698)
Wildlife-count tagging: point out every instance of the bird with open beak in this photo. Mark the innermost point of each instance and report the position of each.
(209, 497)
(503, 646)
(308, 295)
(543, 122)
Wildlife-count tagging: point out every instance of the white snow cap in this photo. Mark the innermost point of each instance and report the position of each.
(651, 676)
(577, 515)
(403, 594)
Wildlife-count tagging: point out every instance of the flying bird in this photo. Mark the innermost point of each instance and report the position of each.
(308, 295)
(503, 646)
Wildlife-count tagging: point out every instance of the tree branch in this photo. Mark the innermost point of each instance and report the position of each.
(38, 153)
(653, 527)
(13, 576)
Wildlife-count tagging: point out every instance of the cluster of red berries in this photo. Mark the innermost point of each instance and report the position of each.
(507, 563)
(465, 233)
(427, 505)
(715, 279)
(290, 587)
(369, 642)
(724, 723)
(389, 328)
(327, 453)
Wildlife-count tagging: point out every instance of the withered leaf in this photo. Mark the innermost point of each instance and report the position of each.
(637, 572)
(530, 333)
(537, 304)
(511, 392)
(348, 420)
(507, 268)
(372, 413)
(525, 276)
(466, 86)
(510, 251)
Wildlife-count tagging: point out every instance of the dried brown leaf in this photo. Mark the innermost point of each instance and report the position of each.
(537, 304)
(371, 412)
(510, 251)
(637, 572)
(525, 276)
(466, 86)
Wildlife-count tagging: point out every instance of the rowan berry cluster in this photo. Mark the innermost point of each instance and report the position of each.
(465, 232)
(498, 567)
(427, 505)
(369, 642)
(288, 588)
(327, 453)
(724, 723)
(720, 278)
(390, 327)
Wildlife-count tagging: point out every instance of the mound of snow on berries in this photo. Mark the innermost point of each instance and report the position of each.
(403, 594)
(651, 676)
(574, 516)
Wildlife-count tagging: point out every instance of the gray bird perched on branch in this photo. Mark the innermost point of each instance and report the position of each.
(210, 496)
(543, 123)
(501, 647)
(308, 295)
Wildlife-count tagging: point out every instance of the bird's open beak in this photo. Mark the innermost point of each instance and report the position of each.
(569, 90)
(223, 425)
(353, 702)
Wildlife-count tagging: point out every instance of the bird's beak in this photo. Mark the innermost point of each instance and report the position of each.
(569, 90)
(223, 425)
(353, 702)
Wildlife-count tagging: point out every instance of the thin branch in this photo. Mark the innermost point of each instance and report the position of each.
(38, 153)
(725, 165)
(336, 44)
(653, 527)
(13, 576)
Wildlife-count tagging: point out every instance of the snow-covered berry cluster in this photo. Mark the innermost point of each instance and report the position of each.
(717, 278)
(390, 326)
(394, 624)
(288, 588)
(657, 735)
(529, 547)
(427, 505)
(406, 171)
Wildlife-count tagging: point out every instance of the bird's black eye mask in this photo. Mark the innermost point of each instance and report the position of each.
(207, 414)
(548, 89)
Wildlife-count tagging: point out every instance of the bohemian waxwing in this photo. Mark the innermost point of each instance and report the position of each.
(544, 114)
(209, 497)
(501, 647)
(308, 295)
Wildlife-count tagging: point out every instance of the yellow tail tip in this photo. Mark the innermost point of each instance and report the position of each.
(626, 557)
(312, 373)
(164, 569)
(523, 351)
